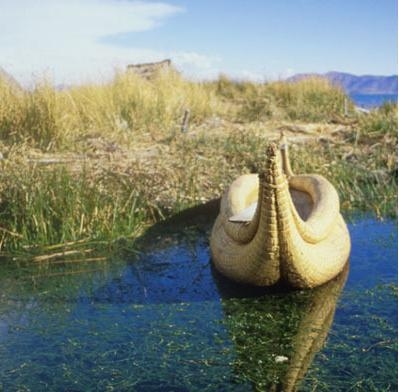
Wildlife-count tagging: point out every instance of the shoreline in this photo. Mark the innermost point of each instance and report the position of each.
(110, 179)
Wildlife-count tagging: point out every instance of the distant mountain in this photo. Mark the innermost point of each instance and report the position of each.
(353, 84)
(4, 75)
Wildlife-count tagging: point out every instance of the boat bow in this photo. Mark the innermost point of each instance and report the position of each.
(296, 235)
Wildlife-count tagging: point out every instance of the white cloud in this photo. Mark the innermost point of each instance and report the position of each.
(195, 60)
(62, 37)
(249, 75)
(195, 65)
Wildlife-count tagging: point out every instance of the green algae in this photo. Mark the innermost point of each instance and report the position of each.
(162, 320)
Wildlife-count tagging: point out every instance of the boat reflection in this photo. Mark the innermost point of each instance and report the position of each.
(170, 313)
(278, 334)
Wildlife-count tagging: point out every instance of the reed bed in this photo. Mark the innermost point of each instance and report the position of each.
(115, 193)
(312, 99)
(52, 205)
(126, 110)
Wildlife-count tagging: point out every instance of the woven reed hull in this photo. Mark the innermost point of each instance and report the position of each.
(297, 235)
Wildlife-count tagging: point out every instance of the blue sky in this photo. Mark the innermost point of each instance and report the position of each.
(74, 41)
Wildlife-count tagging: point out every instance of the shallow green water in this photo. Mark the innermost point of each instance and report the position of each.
(163, 320)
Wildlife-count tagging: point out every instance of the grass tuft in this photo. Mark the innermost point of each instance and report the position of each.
(142, 169)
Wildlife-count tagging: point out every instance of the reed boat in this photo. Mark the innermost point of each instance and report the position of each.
(278, 227)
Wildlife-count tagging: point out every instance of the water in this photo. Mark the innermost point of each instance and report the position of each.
(369, 101)
(164, 320)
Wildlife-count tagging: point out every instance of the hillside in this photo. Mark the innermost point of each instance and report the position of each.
(354, 84)
(4, 75)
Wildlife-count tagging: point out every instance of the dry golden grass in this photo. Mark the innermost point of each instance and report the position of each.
(101, 162)
(125, 110)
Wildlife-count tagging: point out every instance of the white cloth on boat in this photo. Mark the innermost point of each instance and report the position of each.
(245, 215)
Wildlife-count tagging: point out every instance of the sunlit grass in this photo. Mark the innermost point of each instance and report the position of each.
(313, 99)
(115, 197)
(49, 206)
(125, 109)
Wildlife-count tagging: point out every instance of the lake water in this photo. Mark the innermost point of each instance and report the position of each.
(164, 320)
(369, 101)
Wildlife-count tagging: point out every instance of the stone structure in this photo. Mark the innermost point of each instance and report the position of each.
(147, 70)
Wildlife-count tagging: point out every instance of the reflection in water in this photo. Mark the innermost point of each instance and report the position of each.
(162, 320)
(278, 334)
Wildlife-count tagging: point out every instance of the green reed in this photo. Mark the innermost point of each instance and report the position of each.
(105, 200)
(50, 206)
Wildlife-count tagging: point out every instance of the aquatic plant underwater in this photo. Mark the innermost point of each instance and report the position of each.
(163, 319)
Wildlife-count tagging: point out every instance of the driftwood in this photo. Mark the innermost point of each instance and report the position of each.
(185, 121)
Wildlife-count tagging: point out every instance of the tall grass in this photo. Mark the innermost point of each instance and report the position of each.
(312, 99)
(35, 117)
(49, 206)
(123, 110)
(380, 125)
(130, 107)
(104, 200)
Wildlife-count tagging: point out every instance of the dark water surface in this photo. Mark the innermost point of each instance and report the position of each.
(163, 320)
